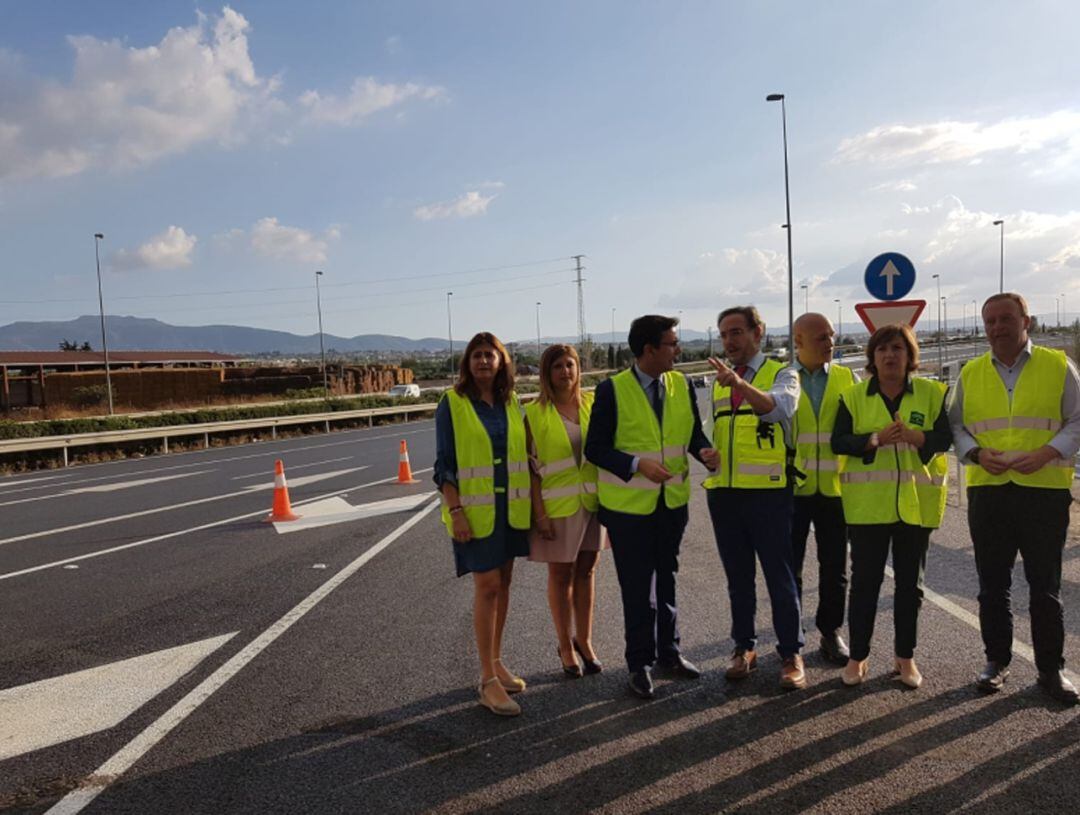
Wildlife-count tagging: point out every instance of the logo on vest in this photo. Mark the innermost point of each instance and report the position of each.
(917, 418)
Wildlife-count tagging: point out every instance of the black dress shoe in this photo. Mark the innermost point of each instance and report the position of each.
(834, 648)
(992, 678)
(680, 667)
(1059, 687)
(573, 671)
(641, 684)
(592, 666)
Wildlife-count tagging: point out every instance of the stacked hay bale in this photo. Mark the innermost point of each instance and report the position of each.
(143, 389)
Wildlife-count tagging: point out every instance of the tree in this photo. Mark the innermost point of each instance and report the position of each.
(68, 345)
(86, 346)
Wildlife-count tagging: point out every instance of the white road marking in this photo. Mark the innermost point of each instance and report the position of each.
(1020, 648)
(293, 468)
(247, 491)
(305, 479)
(135, 749)
(178, 533)
(68, 707)
(118, 485)
(337, 510)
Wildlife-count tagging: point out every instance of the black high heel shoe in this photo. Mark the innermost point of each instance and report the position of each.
(592, 666)
(573, 671)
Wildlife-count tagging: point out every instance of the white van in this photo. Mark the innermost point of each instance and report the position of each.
(399, 391)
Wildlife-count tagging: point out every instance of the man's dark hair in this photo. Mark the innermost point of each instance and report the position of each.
(749, 313)
(649, 330)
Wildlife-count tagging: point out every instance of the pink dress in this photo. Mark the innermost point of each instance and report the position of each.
(581, 532)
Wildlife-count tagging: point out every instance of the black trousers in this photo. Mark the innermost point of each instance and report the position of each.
(830, 534)
(1005, 520)
(646, 553)
(870, 544)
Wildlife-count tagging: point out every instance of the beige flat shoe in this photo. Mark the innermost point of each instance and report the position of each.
(854, 672)
(908, 672)
(498, 707)
(514, 684)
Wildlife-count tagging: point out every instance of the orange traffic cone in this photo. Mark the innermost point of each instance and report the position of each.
(404, 471)
(282, 510)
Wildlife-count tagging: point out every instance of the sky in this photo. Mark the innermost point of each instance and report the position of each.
(410, 149)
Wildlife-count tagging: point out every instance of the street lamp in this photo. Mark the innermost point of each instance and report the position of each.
(1001, 279)
(839, 321)
(680, 325)
(98, 237)
(940, 347)
(779, 97)
(322, 347)
(450, 332)
(1057, 311)
(538, 332)
(1064, 311)
(806, 295)
(710, 340)
(613, 342)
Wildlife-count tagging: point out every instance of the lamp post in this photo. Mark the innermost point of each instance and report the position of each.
(1001, 272)
(450, 332)
(538, 333)
(1057, 311)
(98, 237)
(940, 347)
(710, 340)
(779, 97)
(322, 347)
(839, 321)
(613, 342)
(680, 325)
(806, 297)
(1064, 311)
(974, 318)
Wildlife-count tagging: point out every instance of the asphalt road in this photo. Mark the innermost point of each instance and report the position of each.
(198, 660)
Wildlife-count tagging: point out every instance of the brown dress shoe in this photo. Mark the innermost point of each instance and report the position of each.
(743, 663)
(792, 675)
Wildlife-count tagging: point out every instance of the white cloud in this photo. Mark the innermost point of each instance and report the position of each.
(969, 142)
(730, 276)
(469, 205)
(170, 250)
(366, 97)
(903, 185)
(274, 240)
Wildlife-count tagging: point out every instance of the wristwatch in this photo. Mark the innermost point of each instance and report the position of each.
(973, 455)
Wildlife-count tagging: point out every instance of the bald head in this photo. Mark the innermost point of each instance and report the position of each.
(813, 340)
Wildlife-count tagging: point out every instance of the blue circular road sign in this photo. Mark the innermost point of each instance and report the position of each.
(889, 276)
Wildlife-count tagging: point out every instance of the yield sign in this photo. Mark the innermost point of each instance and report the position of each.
(875, 315)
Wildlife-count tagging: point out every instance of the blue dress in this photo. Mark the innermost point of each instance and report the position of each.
(505, 542)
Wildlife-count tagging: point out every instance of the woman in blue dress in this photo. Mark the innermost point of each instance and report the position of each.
(481, 470)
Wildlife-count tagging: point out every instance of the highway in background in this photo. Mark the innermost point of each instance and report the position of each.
(192, 658)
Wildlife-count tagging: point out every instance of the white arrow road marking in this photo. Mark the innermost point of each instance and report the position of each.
(304, 479)
(337, 510)
(119, 485)
(68, 707)
(76, 800)
(889, 273)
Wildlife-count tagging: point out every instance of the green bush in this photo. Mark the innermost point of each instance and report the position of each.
(89, 396)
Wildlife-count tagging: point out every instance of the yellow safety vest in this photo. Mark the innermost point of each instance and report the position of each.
(638, 433)
(565, 484)
(476, 467)
(750, 457)
(1031, 420)
(896, 485)
(813, 436)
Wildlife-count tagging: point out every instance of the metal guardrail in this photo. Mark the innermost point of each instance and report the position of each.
(204, 429)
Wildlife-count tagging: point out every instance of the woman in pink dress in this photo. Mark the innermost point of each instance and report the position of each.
(566, 533)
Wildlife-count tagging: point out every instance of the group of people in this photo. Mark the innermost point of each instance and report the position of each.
(793, 446)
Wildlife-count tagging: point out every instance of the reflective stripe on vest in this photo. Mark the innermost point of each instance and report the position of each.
(1027, 422)
(896, 485)
(476, 467)
(565, 486)
(813, 436)
(747, 460)
(638, 433)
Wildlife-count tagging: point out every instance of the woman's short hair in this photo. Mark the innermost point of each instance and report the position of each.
(551, 355)
(888, 333)
(504, 377)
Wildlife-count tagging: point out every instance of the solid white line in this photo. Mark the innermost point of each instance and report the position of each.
(293, 468)
(1019, 647)
(94, 784)
(210, 525)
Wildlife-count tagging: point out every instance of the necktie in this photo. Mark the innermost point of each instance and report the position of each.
(654, 396)
(736, 396)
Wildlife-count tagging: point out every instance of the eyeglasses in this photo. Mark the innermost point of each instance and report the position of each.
(674, 344)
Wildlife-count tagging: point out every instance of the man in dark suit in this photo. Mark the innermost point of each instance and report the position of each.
(644, 423)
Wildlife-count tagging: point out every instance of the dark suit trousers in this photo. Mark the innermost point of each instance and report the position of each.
(1010, 519)
(752, 525)
(646, 552)
(830, 535)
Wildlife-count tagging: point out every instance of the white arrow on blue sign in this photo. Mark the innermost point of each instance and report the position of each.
(889, 276)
